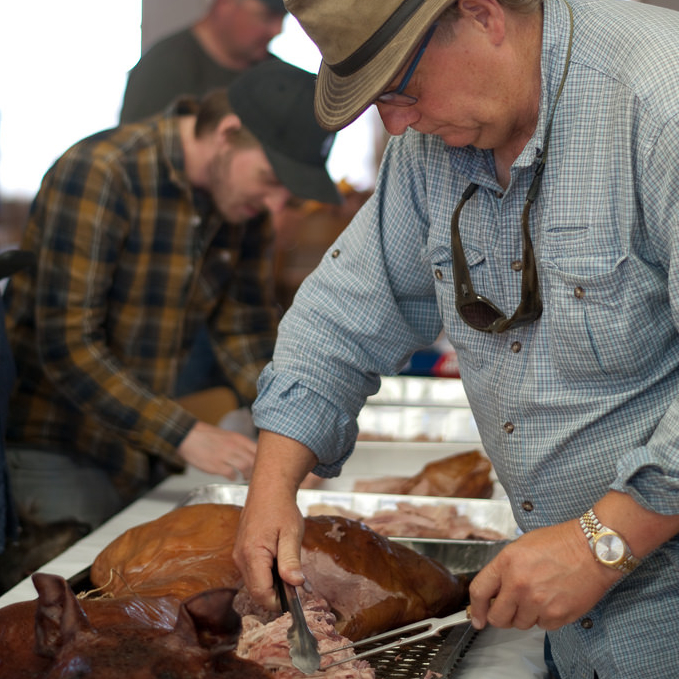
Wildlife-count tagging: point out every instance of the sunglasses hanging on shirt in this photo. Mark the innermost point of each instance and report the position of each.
(478, 311)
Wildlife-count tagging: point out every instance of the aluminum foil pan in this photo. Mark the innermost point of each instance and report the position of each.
(459, 556)
(420, 391)
(417, 423)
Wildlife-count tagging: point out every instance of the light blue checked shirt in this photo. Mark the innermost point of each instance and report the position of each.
(586, 398)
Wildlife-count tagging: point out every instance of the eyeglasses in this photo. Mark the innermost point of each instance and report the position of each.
(396, 97)
(479, 312)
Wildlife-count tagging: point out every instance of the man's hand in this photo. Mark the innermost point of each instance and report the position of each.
(268, 530)
(216, 451)
(271, 525)
(547, 577)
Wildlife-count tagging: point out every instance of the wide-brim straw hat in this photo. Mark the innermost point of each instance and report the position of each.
(364, 44)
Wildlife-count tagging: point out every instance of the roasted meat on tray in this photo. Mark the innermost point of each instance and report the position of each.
(371, 583)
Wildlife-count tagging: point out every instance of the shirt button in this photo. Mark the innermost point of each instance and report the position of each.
(439, 274)
(586, 623)
(527, 506)
(335, 254)
(579, 292)
(517, 265)
(508, 427)
(516, 347)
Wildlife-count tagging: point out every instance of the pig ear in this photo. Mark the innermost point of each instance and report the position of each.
(59, 616)
(209, 618)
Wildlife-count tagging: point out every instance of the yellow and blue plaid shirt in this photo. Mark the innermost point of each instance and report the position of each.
(131, 261)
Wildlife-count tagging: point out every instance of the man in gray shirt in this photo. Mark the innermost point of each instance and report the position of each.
(231, 37)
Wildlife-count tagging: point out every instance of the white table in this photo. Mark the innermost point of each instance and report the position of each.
(495, 654)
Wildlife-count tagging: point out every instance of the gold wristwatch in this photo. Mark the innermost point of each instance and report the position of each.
(607, 545)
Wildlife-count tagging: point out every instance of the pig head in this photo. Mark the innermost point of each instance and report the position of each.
(59, 637)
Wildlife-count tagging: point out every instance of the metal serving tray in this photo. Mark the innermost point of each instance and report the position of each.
(420, 391)
(414, 423)
(459, 556)
(410, 408)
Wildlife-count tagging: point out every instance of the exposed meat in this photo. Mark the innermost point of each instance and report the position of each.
(59, 637)
(463, 475)
(416, 521)
(267, 644)
(327, 509)
(371, 584)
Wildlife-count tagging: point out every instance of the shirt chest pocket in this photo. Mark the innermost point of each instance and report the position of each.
(599, 316)
(472, 347)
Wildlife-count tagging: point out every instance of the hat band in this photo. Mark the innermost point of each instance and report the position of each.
(377, 40)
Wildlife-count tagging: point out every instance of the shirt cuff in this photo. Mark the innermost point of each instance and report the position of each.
(286, 406)
(642, 476)
(167, 426)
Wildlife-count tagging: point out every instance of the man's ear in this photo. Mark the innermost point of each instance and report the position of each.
(226, 127)
(488, 15)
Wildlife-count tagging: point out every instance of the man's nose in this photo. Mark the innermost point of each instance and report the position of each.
(397, 119)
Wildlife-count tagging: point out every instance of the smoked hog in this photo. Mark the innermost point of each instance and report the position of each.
(462, 475)
(370, 583)
(59, 637)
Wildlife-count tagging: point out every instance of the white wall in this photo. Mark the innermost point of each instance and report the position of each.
(63, 68)
(161, 17)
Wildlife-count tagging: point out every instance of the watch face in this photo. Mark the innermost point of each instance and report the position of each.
(609, 548)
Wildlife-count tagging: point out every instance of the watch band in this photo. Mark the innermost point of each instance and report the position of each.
(590, 524)
(593, 528)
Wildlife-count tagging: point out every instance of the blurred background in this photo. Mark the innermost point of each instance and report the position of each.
(64, 70)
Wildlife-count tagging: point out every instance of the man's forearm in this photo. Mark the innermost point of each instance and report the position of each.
(281, 464)
(643, 530)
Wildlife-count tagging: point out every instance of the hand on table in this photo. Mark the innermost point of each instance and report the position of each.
(216, 451)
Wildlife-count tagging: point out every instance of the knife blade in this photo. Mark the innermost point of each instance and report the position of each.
(303, 644)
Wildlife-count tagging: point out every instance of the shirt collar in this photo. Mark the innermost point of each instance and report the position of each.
(555, 39)
(170, 139)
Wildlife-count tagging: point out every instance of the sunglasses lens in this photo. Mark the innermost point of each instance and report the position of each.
(479, 314)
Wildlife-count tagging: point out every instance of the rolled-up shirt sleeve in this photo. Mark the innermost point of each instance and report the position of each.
(359, 315)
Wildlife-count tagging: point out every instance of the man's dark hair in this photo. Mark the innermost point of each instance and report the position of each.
(211, 110)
